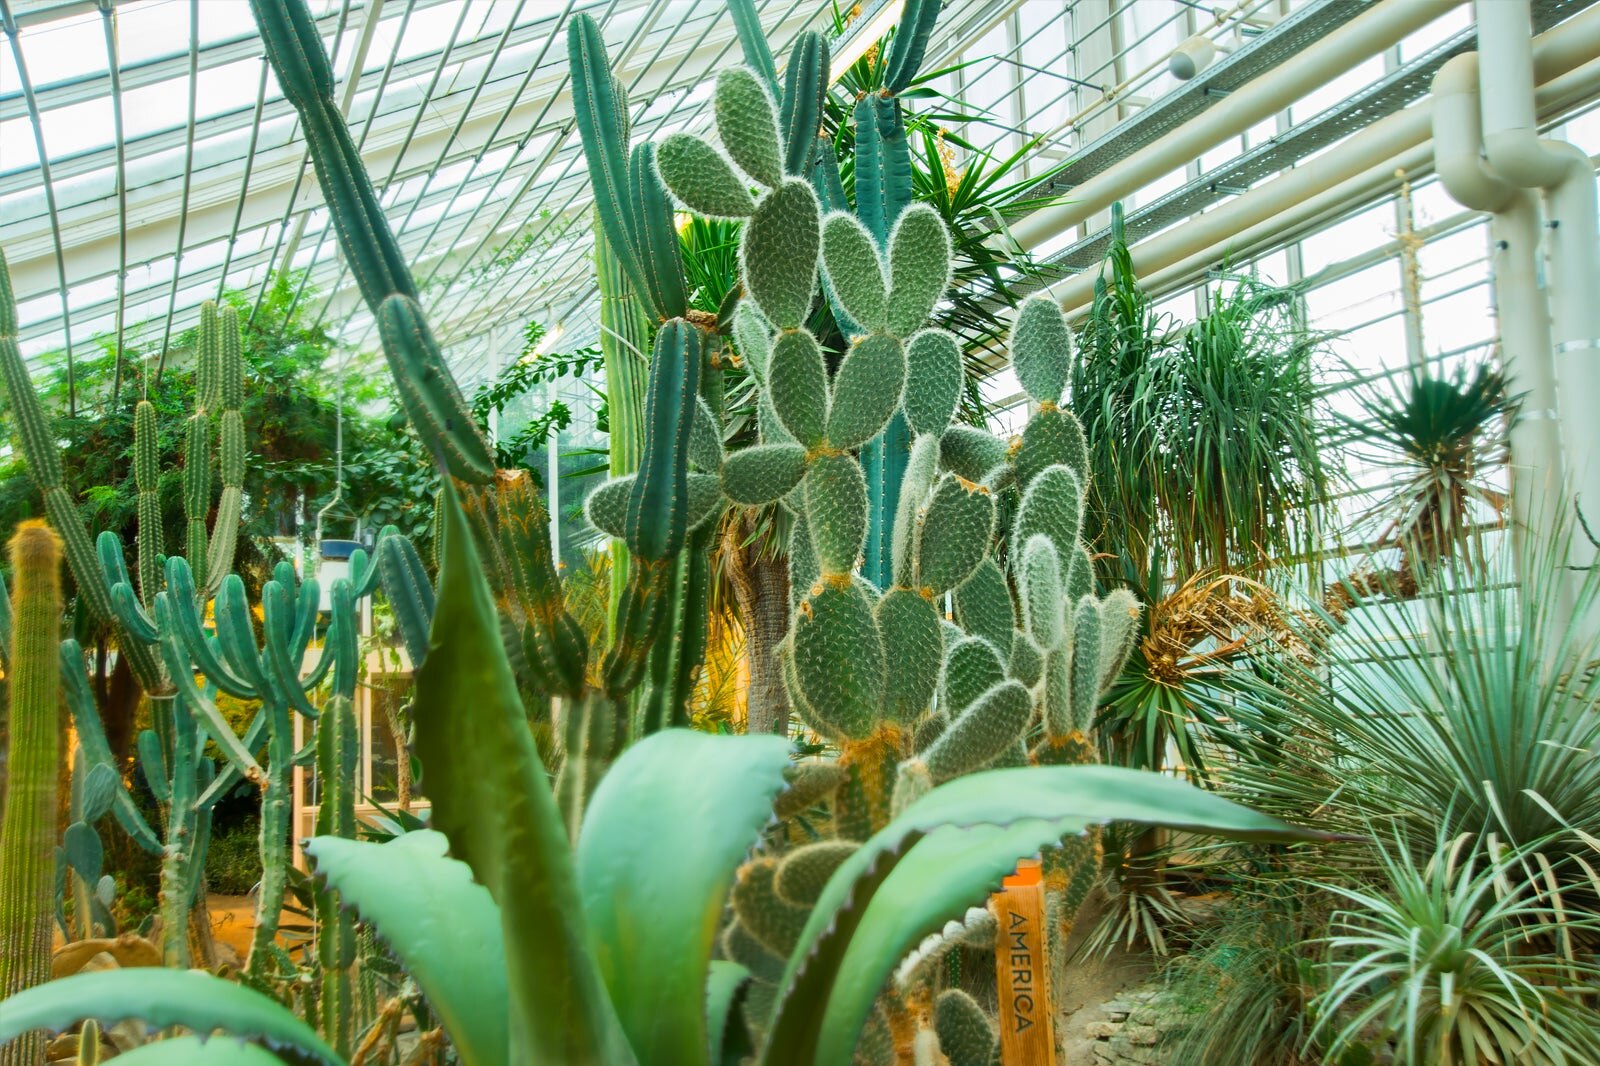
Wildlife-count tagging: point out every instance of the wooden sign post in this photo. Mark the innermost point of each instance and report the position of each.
(1022, 970)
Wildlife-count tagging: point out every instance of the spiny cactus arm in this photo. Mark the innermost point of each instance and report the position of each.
(135, 622)
(429, 393)
(37, 443)
(1119, 617)
(282, 667)
(1052, 505)
(839, 659)
(343, 639)
(922, 470)
(181, 625)
(146, 475)
(1041, 349)
(337, 763)
(984, 607)
(702, 179)
(747, 123)
(255, 735)
(910, 43)
(28, 825)
(410, 594)
(972, 667)
(275, 814)
(179, 669)
(232, 453)
(658, 517)
(182, 827)
(994, 722)
(655, 236)
(1043, 597)
(153, 767)
(953, 532)
(556, 646)
(836, 513)
(779, 252)
(600, 109)
(911, 630)
(966, 1035)
(197, 491)
(236, 636)
(114, 568)
(753, 42)
(1088, 630)
(854, 266)
(883, 459)
(641, 619)
(883, 165)
(467, 704)
(804, 89)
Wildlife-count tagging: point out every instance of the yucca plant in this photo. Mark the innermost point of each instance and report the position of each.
(1474, 709)
(1437, 959)
(1442, 436)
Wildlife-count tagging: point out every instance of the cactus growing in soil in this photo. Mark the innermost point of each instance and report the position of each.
(28, 828)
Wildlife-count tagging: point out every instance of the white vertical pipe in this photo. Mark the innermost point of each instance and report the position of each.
(1515, 152)
(1521, 308)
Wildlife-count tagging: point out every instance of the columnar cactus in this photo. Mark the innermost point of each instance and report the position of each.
(28, 827)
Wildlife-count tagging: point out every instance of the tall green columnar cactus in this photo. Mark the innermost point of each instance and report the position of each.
(624, 340)
(28, 828)
(429, 393)
(338, 754)
(882, 192)
(909, 697)
(227, 393)
(637, 250)
(38, 446)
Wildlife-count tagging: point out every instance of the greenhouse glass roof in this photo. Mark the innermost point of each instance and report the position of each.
(175, 167)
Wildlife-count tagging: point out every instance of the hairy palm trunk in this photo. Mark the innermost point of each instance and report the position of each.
(760, 582)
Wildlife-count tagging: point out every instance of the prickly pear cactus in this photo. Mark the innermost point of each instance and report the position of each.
(989, 646)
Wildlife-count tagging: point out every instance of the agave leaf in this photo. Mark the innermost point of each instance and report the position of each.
(723, 987)
(193, 1051)
(662, 837)
(491, 796)
(1028, 807)
(160, 998)
(443, 925)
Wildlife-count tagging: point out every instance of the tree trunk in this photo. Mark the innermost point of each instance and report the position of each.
(761, 589)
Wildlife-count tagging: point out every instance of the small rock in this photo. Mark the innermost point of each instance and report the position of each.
(1143, 1035)
(1101, 1030)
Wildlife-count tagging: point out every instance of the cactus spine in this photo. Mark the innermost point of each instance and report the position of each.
(27, 830)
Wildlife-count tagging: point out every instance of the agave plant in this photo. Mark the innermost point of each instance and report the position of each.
(534, 950)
